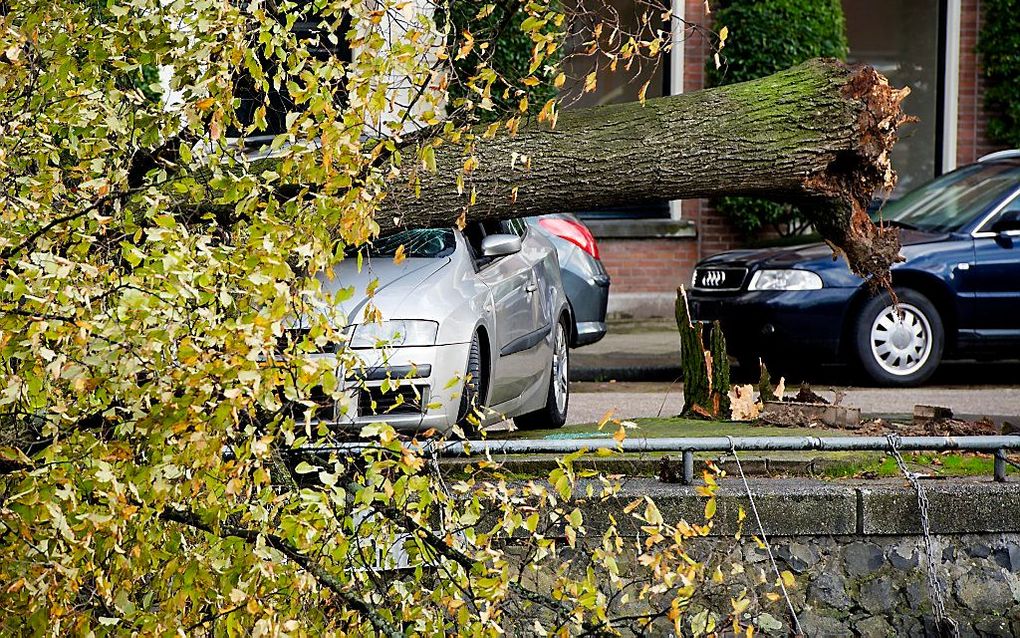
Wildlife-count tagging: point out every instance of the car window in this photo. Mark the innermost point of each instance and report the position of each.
(516, 227)
(475, 232)
(418, 242)
(954, 199)
(1008, 219)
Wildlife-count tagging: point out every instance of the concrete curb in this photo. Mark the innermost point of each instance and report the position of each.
(798, 507)
(625, 373)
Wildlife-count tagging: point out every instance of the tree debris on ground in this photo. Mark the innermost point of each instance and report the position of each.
(809, 415)
(932, 427)
(807, 395)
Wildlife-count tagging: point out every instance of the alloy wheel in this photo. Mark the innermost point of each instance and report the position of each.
(901, 339)
(560, 366)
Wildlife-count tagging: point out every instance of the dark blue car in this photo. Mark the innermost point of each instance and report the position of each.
(958, 288)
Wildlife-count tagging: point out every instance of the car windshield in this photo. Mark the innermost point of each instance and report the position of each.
(947, 203)
(417, 242)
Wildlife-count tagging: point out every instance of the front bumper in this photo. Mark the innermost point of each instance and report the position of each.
(780, 324)
(411, 389)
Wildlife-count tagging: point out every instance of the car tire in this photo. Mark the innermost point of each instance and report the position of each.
(468, 414)
(554, 413)
(899, 346)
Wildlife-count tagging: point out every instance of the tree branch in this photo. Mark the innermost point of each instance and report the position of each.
(326, 579)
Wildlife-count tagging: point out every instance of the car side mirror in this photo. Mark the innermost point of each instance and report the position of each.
(500, 245)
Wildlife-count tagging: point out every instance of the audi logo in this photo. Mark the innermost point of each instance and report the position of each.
(713, 278)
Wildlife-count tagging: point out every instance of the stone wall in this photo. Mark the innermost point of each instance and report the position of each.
(877, 586)
(855, 550)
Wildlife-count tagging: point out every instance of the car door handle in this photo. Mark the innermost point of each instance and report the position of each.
(530, 288)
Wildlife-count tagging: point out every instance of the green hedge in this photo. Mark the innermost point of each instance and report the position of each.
(766, 36)
(999, 46)
(510, 51)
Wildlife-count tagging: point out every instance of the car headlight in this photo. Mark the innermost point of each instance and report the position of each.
(785, 280)
(395, 334)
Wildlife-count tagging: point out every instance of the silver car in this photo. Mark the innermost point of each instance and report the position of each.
(472, 327)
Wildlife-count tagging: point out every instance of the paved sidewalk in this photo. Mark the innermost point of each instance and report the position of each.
(643, 360)
(590, 401)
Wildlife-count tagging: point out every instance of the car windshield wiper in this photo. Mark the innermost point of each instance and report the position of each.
(895, 223)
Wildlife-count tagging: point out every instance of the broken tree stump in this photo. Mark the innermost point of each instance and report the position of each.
(706, 373)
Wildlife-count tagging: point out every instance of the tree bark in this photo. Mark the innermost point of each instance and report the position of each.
(819, 133)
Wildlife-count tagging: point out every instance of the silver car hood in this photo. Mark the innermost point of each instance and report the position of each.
(402, 290)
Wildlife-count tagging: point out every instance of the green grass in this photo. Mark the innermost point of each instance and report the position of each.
(669, 427)
(878, 465)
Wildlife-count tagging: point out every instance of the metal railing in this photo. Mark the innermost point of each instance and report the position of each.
(687, 446)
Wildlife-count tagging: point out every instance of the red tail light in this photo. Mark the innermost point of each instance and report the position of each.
(574, 232)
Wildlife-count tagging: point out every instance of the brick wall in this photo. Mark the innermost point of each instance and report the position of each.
(972, 140)
(648, 265)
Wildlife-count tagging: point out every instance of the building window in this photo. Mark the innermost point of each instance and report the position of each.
(619, 83)
(903, 40)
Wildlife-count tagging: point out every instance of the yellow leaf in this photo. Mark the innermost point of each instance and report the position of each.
(205, 103)
(465, 48)
(740, 605)
(710, 509)
(723, 34)
(560, 80)
(606, 417)
(400, 255)
(590, 82)
(621, 434)
(652, 514)
(788, 579)
(428, 158)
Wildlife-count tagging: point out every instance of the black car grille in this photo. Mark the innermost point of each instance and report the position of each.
(406, 399)
(296, 341)
(323, 406)
(719, 278)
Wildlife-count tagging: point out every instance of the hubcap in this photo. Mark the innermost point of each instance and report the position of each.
(901, 339)
(559, 369)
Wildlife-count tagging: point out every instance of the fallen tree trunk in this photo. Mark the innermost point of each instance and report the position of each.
(819, 133)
